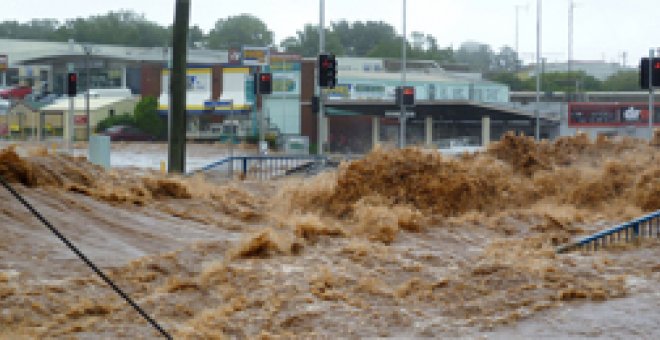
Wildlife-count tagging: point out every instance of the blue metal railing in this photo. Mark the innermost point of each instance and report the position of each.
(628, 231)
(264, 167)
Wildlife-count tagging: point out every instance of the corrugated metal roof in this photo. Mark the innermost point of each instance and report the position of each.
(62, 104)
(431, 77)
(24, 51)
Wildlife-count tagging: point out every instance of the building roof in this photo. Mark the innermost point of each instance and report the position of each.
(30, 52)
(430, 77)
(62, 104)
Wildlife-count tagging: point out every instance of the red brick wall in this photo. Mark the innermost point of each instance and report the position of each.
(308, 120)
(151, 79)
(216, 81)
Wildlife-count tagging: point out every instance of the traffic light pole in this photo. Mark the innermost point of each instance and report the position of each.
(321, 116)
(402, 118)
(651, 93)
(71, 129)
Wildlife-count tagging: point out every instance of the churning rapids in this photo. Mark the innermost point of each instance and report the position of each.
(401, 243)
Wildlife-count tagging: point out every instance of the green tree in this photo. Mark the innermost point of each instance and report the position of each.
(122, 27)
(565, 82)
(123, 119)
(306, 43)
(479, 57)
(506, 60)
(237, 31)
(508, 78)
(118, 28)
(147, 118)
(358, 38)
(388, 49)
(622, 81)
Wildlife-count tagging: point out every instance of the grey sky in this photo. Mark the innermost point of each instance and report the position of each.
(604, 29)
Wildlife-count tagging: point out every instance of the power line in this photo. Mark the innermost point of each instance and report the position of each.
(84, 258)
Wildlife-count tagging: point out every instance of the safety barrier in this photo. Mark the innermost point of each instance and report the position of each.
(265, 167)
(629, 231)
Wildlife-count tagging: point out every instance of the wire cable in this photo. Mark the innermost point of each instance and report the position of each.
(84, 258)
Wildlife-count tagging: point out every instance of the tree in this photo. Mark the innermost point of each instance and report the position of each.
(306, 43)
(358, 38)
(508, 78)
(426, 47)
(123, 27)
(196, 36)
(147, 118)
(238, 31)
(622, 81)
(506, 60)
(479, 57)
(388, 49)
(564, 82)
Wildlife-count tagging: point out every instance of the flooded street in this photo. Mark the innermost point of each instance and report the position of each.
(399, 244)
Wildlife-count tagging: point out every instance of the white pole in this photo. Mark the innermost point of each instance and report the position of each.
(571, 6)
(517, 34)
(651, 93)
(537, 132)
(402, 118)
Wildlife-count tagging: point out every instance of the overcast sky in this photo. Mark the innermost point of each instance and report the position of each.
(604, 29)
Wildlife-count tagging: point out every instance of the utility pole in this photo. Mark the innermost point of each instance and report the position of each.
(571, 7)
(177, 115)
(402, 118)
(518, 7)
(88, 50)
(537, 130)
(321, 126)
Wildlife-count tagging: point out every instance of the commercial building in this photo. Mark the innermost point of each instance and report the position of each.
(220, 98)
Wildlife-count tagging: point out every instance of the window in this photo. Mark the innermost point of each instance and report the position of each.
(492, 95)
(458, 93)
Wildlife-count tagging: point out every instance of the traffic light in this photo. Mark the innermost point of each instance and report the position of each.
(327, 71)
(407, 95)
(72, 84)
(265, 83)
(644, 72)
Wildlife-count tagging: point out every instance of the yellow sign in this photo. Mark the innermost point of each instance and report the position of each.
(14, 128)
(255, 55)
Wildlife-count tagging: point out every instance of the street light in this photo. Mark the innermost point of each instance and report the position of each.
(537, 132)
(518, 7)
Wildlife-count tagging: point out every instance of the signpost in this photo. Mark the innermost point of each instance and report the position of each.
(71, 89)
(651, 93)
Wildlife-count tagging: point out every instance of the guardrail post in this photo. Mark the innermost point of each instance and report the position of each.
(244, 167)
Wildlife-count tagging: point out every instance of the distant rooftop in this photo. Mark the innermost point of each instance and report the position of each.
(30, 52)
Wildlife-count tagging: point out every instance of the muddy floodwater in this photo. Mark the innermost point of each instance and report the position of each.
(398, 244)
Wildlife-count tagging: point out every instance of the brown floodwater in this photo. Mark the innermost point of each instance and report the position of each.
(401, 243)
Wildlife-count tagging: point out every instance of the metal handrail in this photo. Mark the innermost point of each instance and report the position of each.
(266, 167)
(633, 230)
